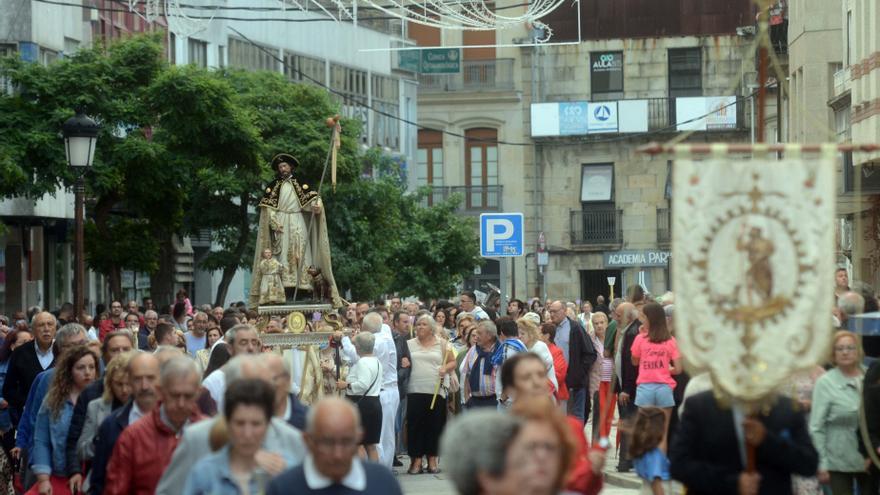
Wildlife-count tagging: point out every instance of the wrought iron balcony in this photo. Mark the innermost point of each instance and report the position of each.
(664, 226)
(596, 227)
(475, 75)
(662, 115)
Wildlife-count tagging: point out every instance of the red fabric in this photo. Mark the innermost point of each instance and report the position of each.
(606, 407)
(560, 366)
(59, 486)
(107, 326)
(581, 479)
(141, 455)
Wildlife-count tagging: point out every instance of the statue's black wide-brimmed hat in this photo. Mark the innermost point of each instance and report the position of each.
(284, 158)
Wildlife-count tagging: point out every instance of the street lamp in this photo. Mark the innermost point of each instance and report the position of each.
(80, 136)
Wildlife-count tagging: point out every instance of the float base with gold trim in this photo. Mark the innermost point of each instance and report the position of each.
(302, 330)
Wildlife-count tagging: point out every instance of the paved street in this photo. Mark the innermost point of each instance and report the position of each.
(426, 484)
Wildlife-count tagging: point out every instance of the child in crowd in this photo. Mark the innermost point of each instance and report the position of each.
(654, 350)
(649, 461)
(183, 296)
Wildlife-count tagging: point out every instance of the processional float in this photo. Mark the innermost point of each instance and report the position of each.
(292, 275)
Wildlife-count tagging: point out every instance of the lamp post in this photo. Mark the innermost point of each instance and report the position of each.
(80, 135)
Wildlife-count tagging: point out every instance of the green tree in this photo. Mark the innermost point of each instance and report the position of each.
(384, 240)
(213, 144)
(183, 149)
(159, 126)
(364, 222)
(107, 85)
(438, 249)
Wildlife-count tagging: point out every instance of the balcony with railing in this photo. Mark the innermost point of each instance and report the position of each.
(664, 226)
(597, 227)
(475, 75)
(842, 81)
(661, 113)
(474, 199)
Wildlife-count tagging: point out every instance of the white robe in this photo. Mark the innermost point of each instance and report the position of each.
(292, 246)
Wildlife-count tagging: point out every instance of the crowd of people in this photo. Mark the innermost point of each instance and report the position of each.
(521, 399)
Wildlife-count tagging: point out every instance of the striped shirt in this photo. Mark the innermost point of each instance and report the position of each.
(487, 382)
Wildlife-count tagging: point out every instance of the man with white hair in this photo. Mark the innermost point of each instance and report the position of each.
(849, 304)
(28, 361)
(627, 374)
(386, 352)
(151, 319)
(242, 339)
(144, 448)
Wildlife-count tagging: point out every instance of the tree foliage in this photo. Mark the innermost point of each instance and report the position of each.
(109, 85)
(385, 241)
(182, 149)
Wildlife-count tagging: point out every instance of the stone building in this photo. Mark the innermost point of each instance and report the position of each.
(852, 102)
(567, 128)
(604, 208)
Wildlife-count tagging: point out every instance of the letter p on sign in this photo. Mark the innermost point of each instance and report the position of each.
(501, 235)
(500, 229)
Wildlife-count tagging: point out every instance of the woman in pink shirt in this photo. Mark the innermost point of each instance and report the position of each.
(655, 352)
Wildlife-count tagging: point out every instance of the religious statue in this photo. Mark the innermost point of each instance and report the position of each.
(292, 226)
(759, 277)
(271, 287)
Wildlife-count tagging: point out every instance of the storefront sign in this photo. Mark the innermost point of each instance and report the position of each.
(573, 118)
(647, 258)
(705, 113)
(441, 61)
(606, 72)
(602, 117)
(408, 60)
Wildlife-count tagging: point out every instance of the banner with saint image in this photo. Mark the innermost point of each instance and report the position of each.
(753, 263)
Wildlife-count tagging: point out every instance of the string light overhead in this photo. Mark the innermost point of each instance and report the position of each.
(185, 19)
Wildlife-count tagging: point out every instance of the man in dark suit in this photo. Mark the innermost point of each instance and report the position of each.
(143, 372)
(332, 466)
(627, 374)
(27, 362)
(400, 330)
(708, 455)
(580, 353)
(151, 319)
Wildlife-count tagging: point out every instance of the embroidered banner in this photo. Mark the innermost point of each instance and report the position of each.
(752, 265)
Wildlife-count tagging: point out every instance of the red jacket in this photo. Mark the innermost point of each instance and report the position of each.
(581, 479)
(560, 366)
(107, 326)
(141, 455)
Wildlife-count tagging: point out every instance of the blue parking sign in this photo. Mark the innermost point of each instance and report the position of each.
(501, 235)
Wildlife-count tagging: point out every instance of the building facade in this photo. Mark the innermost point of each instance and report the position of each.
(603, 207)
(566, 128)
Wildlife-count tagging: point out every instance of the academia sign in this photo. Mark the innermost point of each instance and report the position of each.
(648, 258)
